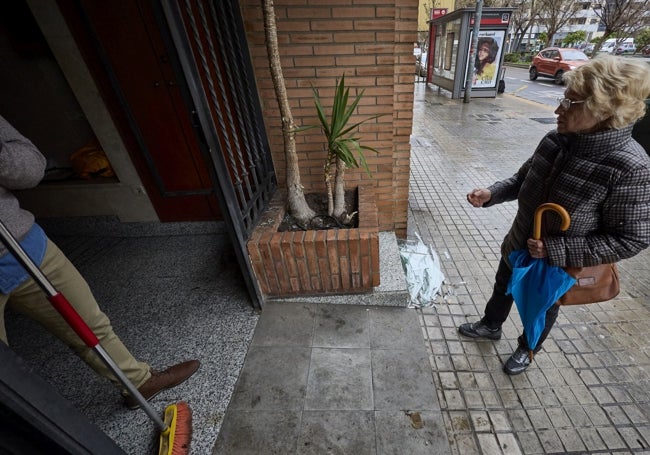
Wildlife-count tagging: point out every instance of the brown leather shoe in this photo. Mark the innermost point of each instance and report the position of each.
(161, 380)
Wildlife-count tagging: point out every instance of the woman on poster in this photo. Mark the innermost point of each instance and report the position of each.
(484, 66)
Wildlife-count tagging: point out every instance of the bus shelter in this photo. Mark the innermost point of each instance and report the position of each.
(450, 40)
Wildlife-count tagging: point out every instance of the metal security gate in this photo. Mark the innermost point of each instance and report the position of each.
(211, 45)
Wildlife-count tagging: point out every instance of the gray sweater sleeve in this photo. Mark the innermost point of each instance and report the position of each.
(21, 166)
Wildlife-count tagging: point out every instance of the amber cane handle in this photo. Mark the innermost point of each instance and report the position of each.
(564, 215)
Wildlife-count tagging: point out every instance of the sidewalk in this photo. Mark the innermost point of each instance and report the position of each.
(589, 388)
(313, 378)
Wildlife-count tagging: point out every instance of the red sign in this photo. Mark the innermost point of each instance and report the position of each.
(437, 12)
(493, 18)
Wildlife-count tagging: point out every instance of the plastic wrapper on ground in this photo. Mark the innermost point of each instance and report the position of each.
(424, 277)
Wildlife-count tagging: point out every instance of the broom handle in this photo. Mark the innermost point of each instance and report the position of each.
(61, 304)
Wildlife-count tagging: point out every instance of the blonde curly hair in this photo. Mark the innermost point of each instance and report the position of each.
(614, 89)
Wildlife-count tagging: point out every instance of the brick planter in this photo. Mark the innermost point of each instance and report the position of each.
(316, 262)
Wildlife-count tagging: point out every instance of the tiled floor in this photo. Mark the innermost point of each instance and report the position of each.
(334, 379)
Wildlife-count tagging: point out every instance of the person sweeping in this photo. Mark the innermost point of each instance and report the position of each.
(22, 166)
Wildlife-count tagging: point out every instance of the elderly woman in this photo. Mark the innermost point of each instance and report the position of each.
(593, 168)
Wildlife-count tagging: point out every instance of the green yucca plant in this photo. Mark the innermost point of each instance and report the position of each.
(343, 147)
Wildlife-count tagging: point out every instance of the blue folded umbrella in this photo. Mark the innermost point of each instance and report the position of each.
(535, 285)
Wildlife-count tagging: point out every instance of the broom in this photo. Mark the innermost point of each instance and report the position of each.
(176, 427)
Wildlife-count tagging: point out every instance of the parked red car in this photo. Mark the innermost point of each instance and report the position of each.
(555, 61)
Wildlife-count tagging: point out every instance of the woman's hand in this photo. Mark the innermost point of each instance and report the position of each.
(536, 249)
(478, 197)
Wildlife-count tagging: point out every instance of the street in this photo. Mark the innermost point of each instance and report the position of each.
(543, 90)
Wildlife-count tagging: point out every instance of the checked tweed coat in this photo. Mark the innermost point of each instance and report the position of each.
(602, 179)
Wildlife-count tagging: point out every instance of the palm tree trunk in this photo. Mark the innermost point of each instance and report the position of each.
(339, 190)
(328, 184)
(298, 206)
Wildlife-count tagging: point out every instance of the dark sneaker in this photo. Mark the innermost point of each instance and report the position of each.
(161, 380)
(518, 361)
(479, 330)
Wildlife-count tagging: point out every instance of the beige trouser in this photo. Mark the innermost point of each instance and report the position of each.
(30, 300)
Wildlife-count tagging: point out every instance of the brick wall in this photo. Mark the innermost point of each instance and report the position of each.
(371, 42)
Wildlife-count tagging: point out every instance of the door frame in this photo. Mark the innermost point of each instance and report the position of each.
(239, 216)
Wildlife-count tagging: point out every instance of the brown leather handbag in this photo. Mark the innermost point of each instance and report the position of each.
(593, 284)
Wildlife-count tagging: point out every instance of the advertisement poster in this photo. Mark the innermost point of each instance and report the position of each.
(485, 68)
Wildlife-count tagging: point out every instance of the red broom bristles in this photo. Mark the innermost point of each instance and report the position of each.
(176, 440)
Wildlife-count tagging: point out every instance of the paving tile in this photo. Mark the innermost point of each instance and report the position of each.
(448, 380)
(592, 439)
(465, 444)
(519, 419)
(632, 438)
(460, 363)
(578, 416)
(491, 399)
(337, 432)
(396, 435)
(570, 440)
(342, 326)
(509, 398)
(500, 421)
(454, 399)
(530, 443)
(644, 430)
(480, 421)
(620, 394)
(272, 378)
(550, 440)
(268, 432)
(394, 328)
(459, 421)
(285, 324)
(636, 414)
(539, 419)
(597, 415)
(339, 379)
(547, 396)
(508, 443)
(488, 444)
(402, 380)
(474, 399)
(611, 437)
(565, 395)
(602, 395)
(558, 417)
(617, 415)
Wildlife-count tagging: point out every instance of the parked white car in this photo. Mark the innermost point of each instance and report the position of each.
(626, 48)
(610, 46)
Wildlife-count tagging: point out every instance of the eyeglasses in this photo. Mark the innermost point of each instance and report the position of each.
(566, 103)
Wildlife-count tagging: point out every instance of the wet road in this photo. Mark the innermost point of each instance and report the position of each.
(542, 90)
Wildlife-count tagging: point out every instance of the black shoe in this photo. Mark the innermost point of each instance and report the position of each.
(479, 330)
(518, 362)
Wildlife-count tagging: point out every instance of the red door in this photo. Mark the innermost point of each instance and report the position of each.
(126, 52)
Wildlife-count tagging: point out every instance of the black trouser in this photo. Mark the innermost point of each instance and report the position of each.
(499, 306)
